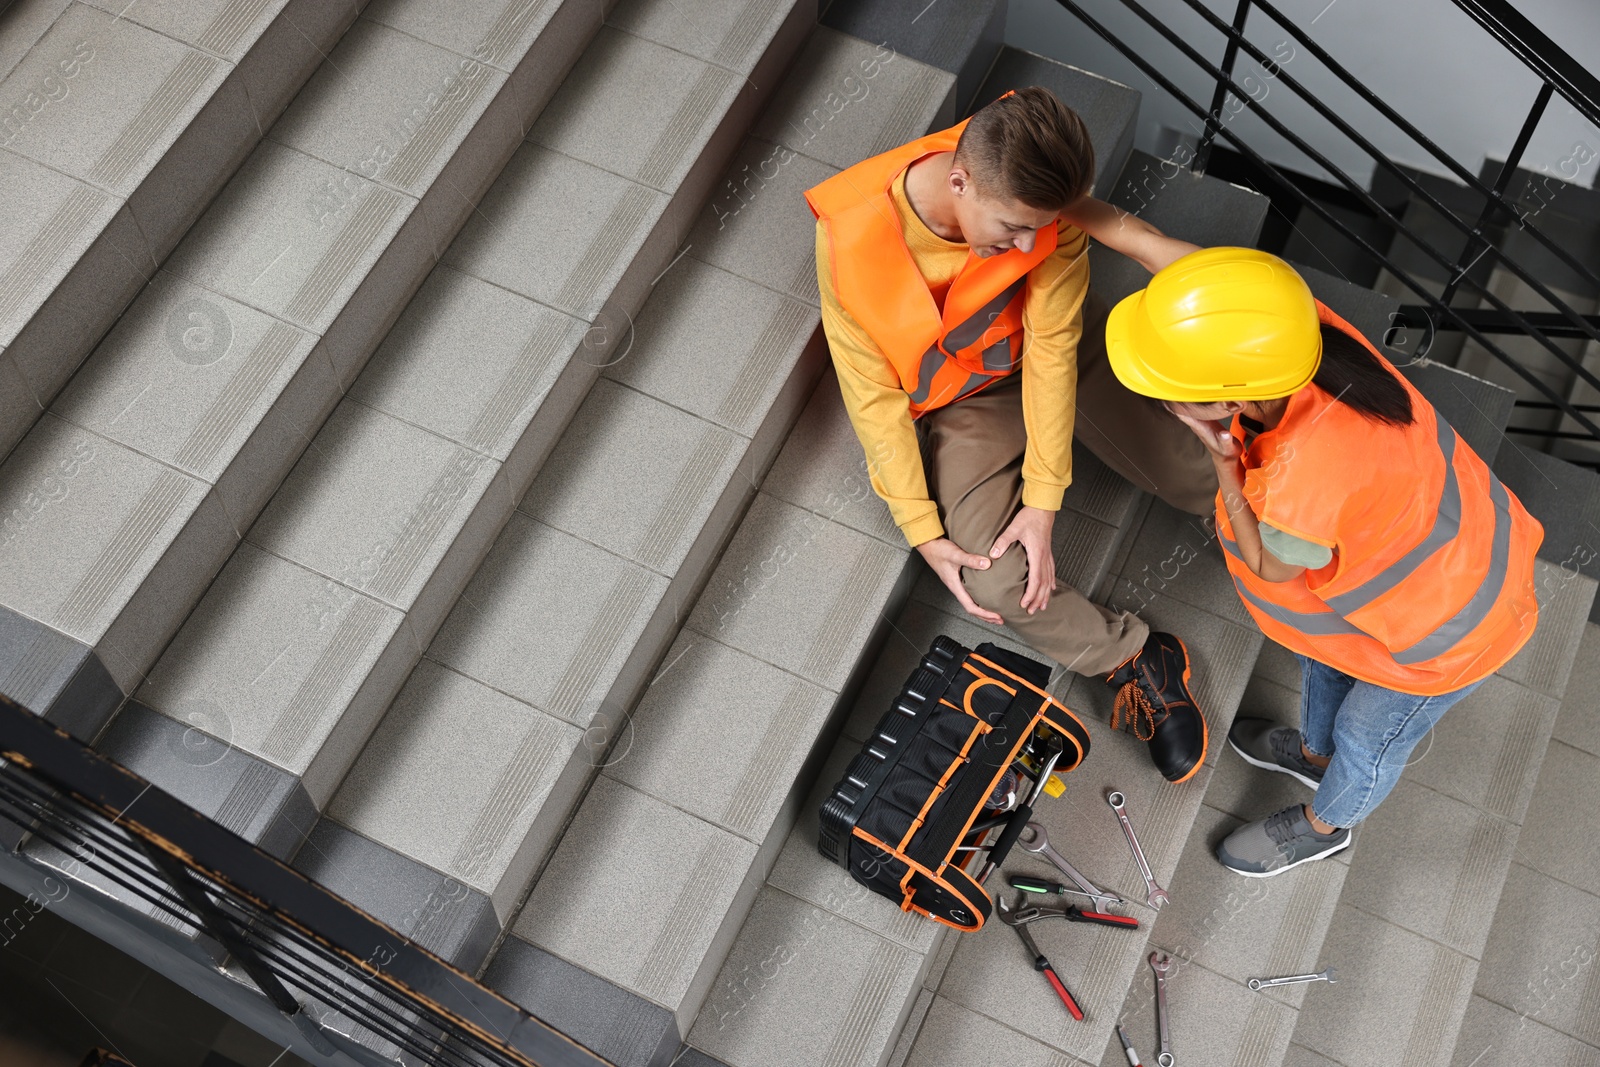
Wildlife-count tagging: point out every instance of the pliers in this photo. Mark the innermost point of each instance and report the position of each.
(1040, 961)
(1073, 914)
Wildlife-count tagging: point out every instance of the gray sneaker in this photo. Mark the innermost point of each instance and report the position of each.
(1264, 743)
(1281, 841)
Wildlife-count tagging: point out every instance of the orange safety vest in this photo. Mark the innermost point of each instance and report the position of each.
(939, 355)
(1432, 585)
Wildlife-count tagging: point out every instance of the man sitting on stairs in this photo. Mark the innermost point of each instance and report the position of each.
(955, 294)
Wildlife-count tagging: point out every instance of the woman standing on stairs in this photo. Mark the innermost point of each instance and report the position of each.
(1361, 532)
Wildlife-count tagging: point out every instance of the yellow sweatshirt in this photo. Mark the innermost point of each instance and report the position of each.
(880, 410)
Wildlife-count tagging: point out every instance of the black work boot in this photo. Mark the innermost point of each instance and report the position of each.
(1154, 702)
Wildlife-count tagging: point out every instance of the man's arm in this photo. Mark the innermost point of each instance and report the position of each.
(880, 412)
(1125, 233)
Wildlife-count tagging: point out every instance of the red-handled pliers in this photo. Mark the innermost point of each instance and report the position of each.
(1073, 914)
(1041, 962)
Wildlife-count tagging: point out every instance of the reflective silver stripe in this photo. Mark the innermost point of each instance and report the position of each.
(1446, 525)
(1441, 640)
(1320, 624)
(932, 360)
(970, 329)
(998, 355)
(1488, 594)
(973, 383)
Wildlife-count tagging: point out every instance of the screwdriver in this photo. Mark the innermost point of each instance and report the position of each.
(1039, 885)
(1127, 1046)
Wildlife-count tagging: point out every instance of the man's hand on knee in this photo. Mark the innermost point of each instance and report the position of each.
(1031, 529)
(947, 558)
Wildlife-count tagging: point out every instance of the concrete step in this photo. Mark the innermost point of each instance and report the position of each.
(120, 125)
(565, 620)
(794, 594)
(1205, 210)
(313, 629)
(963, 39)
(1535, 993)
(1564, 498)
(700, 802)
(126, 499)
(812, 921)
(1431, 865)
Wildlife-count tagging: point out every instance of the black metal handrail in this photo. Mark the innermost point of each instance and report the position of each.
(1554, 66)
(1495, 196)
(303, 946)
(1549, 323)
(1215, 126)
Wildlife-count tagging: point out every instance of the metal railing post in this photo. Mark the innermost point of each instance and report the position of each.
(1219, 97)
(1474, 248)
(216, 924)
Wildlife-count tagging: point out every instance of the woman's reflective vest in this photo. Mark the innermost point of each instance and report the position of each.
(1432, 584)
(939, 357)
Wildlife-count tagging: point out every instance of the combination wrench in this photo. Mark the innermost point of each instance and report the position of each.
(1034, 839)
(1160, 963)
(1158, 896)
(1293, 979)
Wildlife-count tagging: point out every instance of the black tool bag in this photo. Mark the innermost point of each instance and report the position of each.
(919, 788)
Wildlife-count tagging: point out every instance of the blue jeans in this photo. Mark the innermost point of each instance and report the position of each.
(1367, 731)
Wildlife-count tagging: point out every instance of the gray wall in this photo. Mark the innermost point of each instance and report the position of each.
(1425, 57)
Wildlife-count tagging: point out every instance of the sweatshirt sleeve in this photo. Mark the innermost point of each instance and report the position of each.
(880, 411)
(1052, 323)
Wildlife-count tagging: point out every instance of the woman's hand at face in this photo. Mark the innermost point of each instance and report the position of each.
(1218, 441)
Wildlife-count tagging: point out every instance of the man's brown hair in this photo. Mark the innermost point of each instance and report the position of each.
(1028, 146)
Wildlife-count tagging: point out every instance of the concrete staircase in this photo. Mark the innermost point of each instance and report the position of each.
(461, 509)
(120, 125)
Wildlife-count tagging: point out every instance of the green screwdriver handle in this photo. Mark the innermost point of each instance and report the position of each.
(1036, 885)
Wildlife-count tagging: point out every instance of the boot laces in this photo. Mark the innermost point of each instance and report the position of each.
(1133, 711)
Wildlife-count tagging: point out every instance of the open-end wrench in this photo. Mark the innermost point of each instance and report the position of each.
(1158, 896)
(1160, 963)
(1293, 979)
(1034, 839)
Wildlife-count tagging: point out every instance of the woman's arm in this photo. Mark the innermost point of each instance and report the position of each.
(1224, 452)
(1246, 527)
(1125, 233)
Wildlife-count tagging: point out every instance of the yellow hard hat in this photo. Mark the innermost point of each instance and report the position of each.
(1217, 324)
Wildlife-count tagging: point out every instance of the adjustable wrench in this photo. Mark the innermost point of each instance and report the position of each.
(1034, 839)
(1160, 963)
(1158, 896)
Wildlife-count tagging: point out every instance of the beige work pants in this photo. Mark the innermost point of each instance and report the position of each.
(973, 451)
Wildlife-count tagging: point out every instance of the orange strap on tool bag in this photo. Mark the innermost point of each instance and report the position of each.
(906, 805)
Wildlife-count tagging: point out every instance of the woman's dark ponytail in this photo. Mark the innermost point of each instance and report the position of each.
(1354, 377)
